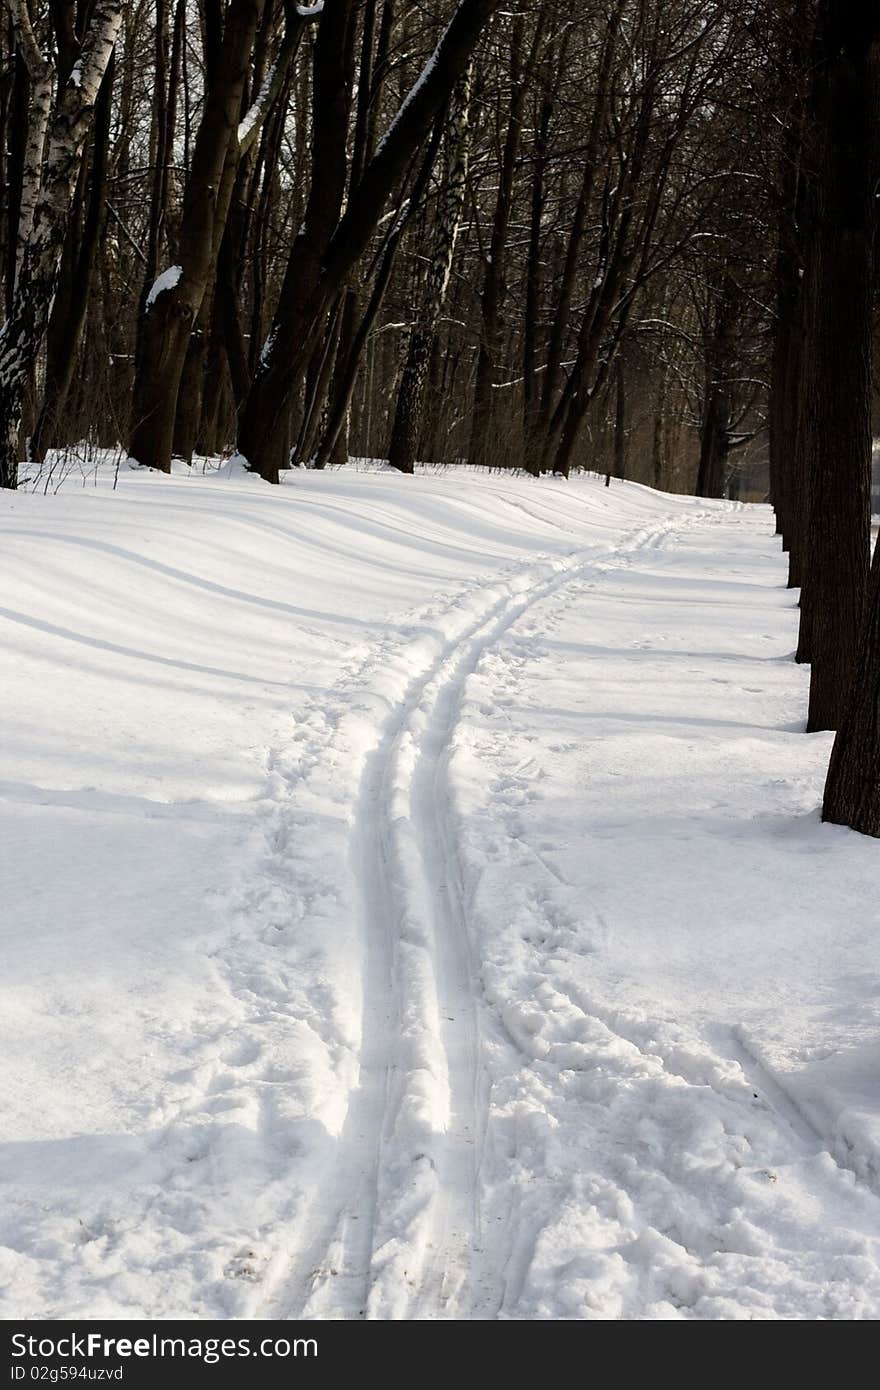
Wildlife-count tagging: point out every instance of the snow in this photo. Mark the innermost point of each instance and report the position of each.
(166, 281)
(416, 905)
(267, 348)
(255, 111)
(415, 89)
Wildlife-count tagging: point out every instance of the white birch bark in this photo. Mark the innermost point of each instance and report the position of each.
(65, 134)
(41, 74)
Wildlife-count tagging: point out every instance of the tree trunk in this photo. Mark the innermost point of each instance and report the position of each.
(785, 356)
(405, 432)
(22, 335)
(352, 343)
(562, 312)
(310, 289)
(494, 276)
(68, 316)
(720, 355)
(714, 448)
(620, 421)
(838, 387)
(41, 74)
(551, 69)
(16, 132)
(332, 78)
(781, 424)
(172, 306)
(852, 789)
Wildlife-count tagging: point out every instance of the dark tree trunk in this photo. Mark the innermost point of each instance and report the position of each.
(782, 415)
(714, 448)
(353, 342)
(838, 385)
(482, 450)
(802, 364)
(620, 421)
(406, 430)
(541, 430)
(310, 289)
(333, 447)
(404, 444)
(216, 350)
(619, 245)
(332, 77)
(786, 444)
(318, 382)
(18, 120)
(171, 314)
(715, 439)
(551, 70)
(852, 789)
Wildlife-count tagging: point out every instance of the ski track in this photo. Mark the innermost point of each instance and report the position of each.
(732, 1068)
(423, 1096)
(399, 1234)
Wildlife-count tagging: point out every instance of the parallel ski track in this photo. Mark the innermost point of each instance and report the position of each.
(402, 1236)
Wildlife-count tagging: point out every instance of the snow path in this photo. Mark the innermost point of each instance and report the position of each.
(426, 1225)
(525, 983)
(409, 1244)
(402, 1229)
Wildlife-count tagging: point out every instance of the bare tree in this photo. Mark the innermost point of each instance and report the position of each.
(323, 257)
(173, 302)
(410, 397)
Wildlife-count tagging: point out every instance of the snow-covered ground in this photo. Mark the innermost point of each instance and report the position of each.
(414, 904)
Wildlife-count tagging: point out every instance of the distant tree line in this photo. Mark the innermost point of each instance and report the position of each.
(533, 235)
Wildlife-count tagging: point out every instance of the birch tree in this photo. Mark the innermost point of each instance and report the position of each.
(57, 142)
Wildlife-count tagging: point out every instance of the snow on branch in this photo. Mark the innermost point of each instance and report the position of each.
(252, 122)
(166, 281)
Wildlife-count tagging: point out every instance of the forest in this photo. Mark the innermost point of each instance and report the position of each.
(525, 238)
(454, 292)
